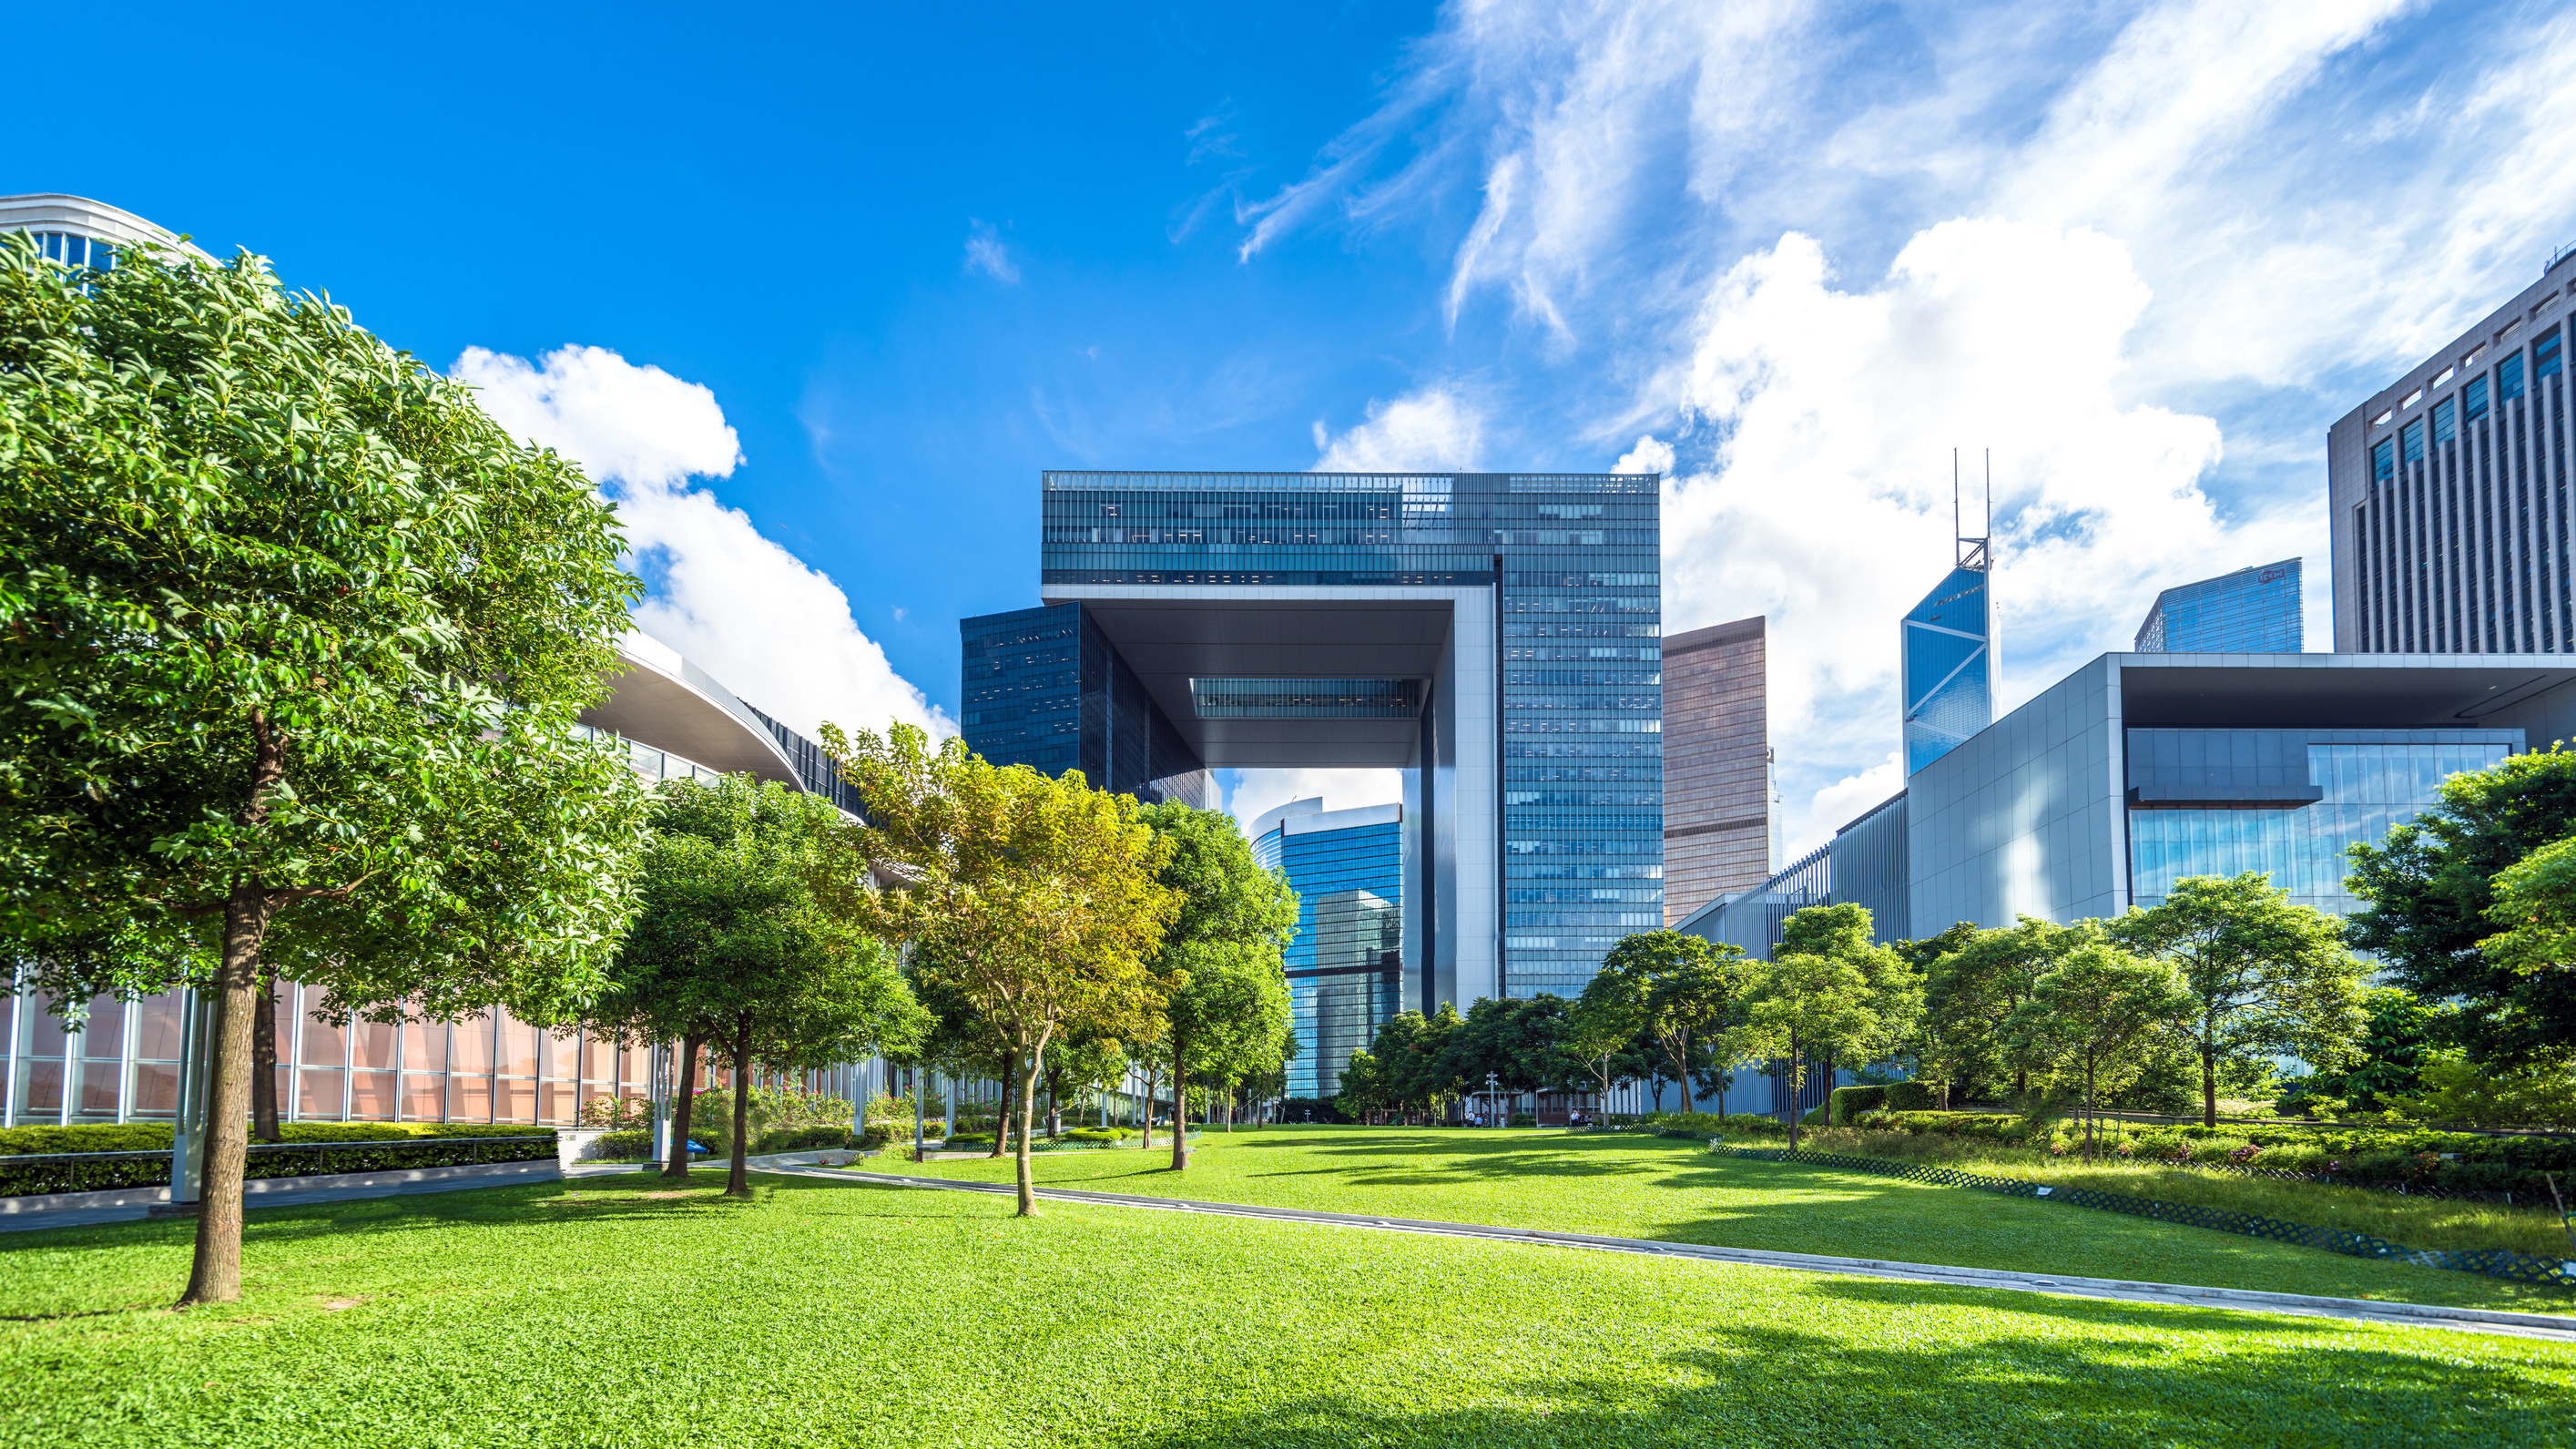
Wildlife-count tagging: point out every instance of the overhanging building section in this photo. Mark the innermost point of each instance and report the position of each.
(1495, 636)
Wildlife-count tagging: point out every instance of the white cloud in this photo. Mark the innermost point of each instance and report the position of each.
(775, 631)
(1254, 791)
(985, 253)
(1828, 502)
(1842, 802)
(1435, 428)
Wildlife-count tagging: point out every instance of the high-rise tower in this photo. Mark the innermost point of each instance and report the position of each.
(1947, 654)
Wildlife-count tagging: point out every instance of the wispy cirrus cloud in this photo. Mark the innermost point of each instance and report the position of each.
(2144, 252)
(986, 253)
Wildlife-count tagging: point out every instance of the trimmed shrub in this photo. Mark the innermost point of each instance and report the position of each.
(802, 1139)
(1911, 1097)
(623, 1143)
(1522, 1119)
(358, 1147)
(1099, 1134)
(1844, 1103)
(970, 1139)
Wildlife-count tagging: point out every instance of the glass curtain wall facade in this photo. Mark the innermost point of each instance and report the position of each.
(1044, 688)
(1947, 660)
(1575, 560)
(2451, 491)
(1346, 965)
(2251, 611)
(2223, 802)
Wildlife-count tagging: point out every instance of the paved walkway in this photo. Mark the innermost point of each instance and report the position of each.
(2422, 1315)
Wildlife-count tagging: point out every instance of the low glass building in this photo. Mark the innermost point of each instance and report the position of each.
(2251, 611)
(1346, 965)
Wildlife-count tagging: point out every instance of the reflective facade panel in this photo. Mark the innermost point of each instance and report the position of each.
(1948, 666)
(2251, 611)
(1044, 688)
(1346, 965)
(2288, 802)
(1574, 563)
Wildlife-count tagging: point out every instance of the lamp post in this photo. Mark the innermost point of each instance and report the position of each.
(1491, 1083)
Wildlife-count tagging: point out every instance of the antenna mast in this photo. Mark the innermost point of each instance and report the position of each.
(1972, 552)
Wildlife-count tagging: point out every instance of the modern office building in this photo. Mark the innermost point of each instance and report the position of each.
(670, 720)
(2251, 611)
(1346, 966)
(1946, 656)
(1496, 636)
(79, 232)
(1042, 687)
(2448, 492)
(1721, 832)
(2139, 769)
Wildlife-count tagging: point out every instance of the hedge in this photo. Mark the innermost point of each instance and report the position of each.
(622, 1144)
(358, 1147)
(1845, 1103)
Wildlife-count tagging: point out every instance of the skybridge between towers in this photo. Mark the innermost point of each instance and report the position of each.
(1494, 636)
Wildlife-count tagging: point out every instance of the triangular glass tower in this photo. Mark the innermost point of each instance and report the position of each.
(1948, 661)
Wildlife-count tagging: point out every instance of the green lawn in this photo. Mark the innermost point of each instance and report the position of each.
(1652, 1187)
(598, 1313)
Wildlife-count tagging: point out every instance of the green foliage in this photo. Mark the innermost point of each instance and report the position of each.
(1973, 987)
(1524, 1042)
(1685, 994)
(2266, 976)
(622, 1144)
(2430, 893)
(1909, 1097)
(2454, 1090)
(1408, 1067)
(1099, 1134)
(1829, 992)
(369, 1147)
(2096, 1008)
(1844, 1103)
(815, 1136)
(1225, 986)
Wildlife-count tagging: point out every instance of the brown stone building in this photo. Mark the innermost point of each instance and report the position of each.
(1717, 766)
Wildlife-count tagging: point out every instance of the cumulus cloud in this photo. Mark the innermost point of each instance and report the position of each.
(1435, 428)
(1254, 791)
(985, 253)
(778, 633)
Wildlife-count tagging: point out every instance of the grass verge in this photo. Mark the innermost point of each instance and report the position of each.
(1649, 1187)
(611, 1311)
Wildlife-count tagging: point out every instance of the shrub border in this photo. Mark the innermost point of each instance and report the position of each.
(2490, 1262)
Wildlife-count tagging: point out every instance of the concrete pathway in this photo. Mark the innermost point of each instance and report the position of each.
(2422, 1315)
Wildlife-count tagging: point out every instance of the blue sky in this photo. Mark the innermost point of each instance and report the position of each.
(838, 288)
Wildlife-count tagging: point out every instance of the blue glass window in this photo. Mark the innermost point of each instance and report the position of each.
(2412, 436)
(2544, 357)
(2509, 378)
(2473, 399)
(2383, 459)
(2446, 424)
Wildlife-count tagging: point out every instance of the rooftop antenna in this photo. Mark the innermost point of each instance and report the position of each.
(1972, 552)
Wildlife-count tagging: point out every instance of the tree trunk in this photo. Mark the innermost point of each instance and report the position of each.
(1028, 1104)
(2088, 1109)
(2208, 1085)
(216, 1275)
(263, 1059)
(1002, 1109)
(1180, 1100)
(1681, 1069)
(683, 1107)
(738, 1176)
(1151, 1075)
(1797, 1079)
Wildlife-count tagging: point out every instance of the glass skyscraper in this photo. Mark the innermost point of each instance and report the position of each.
(1498, 635)
(1043, 688)
(2251, 611)
(2286, 801)
(1948, 664)
(1346, 966)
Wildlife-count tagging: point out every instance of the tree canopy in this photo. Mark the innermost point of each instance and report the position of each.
(2095, 1005)
(1035, 899)
(292, 637)
(2430, 891)
(1686, 991)
(1828, 992)
(1225, 987)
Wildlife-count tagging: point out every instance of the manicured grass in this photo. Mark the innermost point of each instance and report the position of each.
(1651, 1187)
(598, 1313)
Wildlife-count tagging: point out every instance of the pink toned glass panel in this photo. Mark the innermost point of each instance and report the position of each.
(325, 1044)
(469, 1099)
(371, 1096)
(157, 1020)
(156, 1090)
(471, 1041)
(374, 1048)
(317, 1095)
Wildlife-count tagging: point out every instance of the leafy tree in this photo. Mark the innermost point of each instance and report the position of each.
(1520, 1041)
(1689, 990)
(1829, 991)
(2399, 1033)
(1365, 1089)
(2269, 975)
(293, 639)
(750, 943)
(2535, 901)
(1973, 989)
(1034, 898)
(1606, 1028)
(1225, 987)
(2431, 894)
(1412, 1057)
(2096, 1006)
(1077, 1064)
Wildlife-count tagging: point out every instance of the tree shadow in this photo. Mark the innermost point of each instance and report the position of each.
(2255, 1381)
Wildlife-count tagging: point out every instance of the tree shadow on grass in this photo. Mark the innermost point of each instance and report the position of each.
(2255, 1381)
